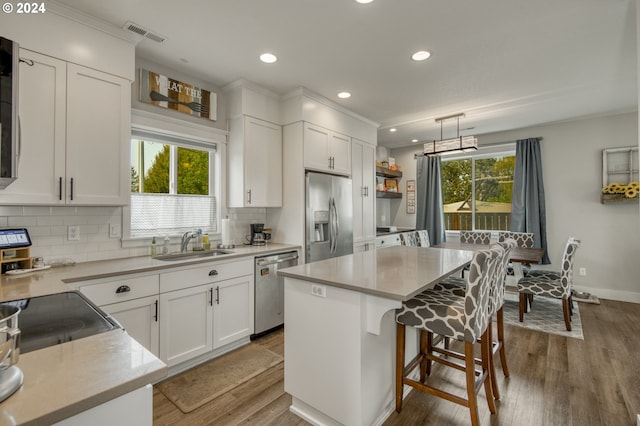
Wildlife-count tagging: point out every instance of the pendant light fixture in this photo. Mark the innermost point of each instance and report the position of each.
(451, 146)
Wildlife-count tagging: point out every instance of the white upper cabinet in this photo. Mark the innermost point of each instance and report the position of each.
(42, 110)
(98, 137)
(254, 151)
(325, 150)
(255, 163)
(75, 126)
(364, 192)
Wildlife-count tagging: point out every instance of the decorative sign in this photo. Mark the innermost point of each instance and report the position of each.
(411, 197)
(157, 89)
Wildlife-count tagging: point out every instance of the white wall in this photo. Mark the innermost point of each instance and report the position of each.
(572, 168)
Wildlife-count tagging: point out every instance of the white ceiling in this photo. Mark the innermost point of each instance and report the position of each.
(506, 64)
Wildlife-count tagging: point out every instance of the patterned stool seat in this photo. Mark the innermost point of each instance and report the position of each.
(541, 273)
(455, 285)
(438, 311)
(542, 285)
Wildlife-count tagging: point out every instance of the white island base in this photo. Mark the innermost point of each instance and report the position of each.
(340, 354)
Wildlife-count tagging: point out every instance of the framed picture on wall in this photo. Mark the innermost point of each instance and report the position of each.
(411, 197)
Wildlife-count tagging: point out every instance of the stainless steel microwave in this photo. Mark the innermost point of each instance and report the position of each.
(9, 122)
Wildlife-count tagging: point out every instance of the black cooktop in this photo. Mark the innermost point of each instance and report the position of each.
(57, 318)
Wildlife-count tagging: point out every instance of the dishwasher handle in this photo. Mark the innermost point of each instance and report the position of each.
(264, 262)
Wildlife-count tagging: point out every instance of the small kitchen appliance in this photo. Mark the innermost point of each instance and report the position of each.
(257, 234)
(11, 376)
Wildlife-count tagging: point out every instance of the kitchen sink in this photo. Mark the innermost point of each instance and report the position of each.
(190, 255)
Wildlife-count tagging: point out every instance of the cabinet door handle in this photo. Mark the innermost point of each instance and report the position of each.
(71, 189)
(155, 317)
(213, 273)
(218, 295)
(211, 296)
(249, 197)
(123, 289)
(60, 188)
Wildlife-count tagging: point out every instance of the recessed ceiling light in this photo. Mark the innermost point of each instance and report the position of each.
(421, 55)
(344, 95)
(268, 58)
(393, 129)
(414, 140)
(364, 1)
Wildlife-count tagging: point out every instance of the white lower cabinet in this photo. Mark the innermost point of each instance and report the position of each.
(183, 312)
(233, 310)
(140, 319)
(186, 323)
(133, 301)
(364, 246)
(204, 307)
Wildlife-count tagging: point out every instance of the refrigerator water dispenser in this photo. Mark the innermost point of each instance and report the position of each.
(321, 225)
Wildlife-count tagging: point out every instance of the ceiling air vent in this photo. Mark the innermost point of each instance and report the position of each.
(140, 30)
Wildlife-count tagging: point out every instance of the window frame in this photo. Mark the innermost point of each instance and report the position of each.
(502, 150)
(188, 135)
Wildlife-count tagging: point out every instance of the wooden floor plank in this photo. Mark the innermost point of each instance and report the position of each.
(554, 380)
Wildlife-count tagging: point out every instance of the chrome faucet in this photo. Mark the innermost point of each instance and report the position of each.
(185, 240)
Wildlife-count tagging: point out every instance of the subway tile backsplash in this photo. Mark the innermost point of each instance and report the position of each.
(48, 230)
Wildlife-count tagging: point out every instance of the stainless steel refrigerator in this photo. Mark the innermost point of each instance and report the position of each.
(329, 216)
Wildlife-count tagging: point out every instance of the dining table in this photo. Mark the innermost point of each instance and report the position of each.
(518, 256)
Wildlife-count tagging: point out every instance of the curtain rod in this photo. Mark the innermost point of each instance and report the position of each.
(493, 145)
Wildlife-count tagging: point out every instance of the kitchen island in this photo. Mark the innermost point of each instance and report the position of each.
(340, 329)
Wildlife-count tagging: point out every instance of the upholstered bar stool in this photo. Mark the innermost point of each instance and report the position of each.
(464, 318)
(423, 238)
(409, 238)
(457, 286)
(551, 284)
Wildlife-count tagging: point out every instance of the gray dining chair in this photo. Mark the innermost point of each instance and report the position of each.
(554, 284)
(475, 237)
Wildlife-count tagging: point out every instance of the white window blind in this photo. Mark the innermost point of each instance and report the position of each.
(157, 214)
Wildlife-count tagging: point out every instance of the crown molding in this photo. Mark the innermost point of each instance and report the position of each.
(303, 91)
(90, 21)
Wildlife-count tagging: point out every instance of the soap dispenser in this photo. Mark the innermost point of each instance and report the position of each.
(153, 247)
(165, 245)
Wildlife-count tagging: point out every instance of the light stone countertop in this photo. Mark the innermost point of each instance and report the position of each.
(63, 380)
(397, 273)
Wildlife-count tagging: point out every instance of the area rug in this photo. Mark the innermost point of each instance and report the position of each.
(546, 316)
(204, 383)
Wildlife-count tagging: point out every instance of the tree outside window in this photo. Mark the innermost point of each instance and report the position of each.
(477, 192)
(170, 189)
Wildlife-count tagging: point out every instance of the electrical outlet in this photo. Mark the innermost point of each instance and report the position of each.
(319, 290)
(73, 233)
(583, 272)
(114, 230)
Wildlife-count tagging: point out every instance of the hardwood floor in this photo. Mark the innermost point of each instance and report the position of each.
(554, 380)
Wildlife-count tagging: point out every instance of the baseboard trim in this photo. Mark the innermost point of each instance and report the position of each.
(622, 296)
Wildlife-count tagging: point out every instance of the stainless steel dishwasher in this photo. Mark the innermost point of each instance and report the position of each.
(269, 290)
